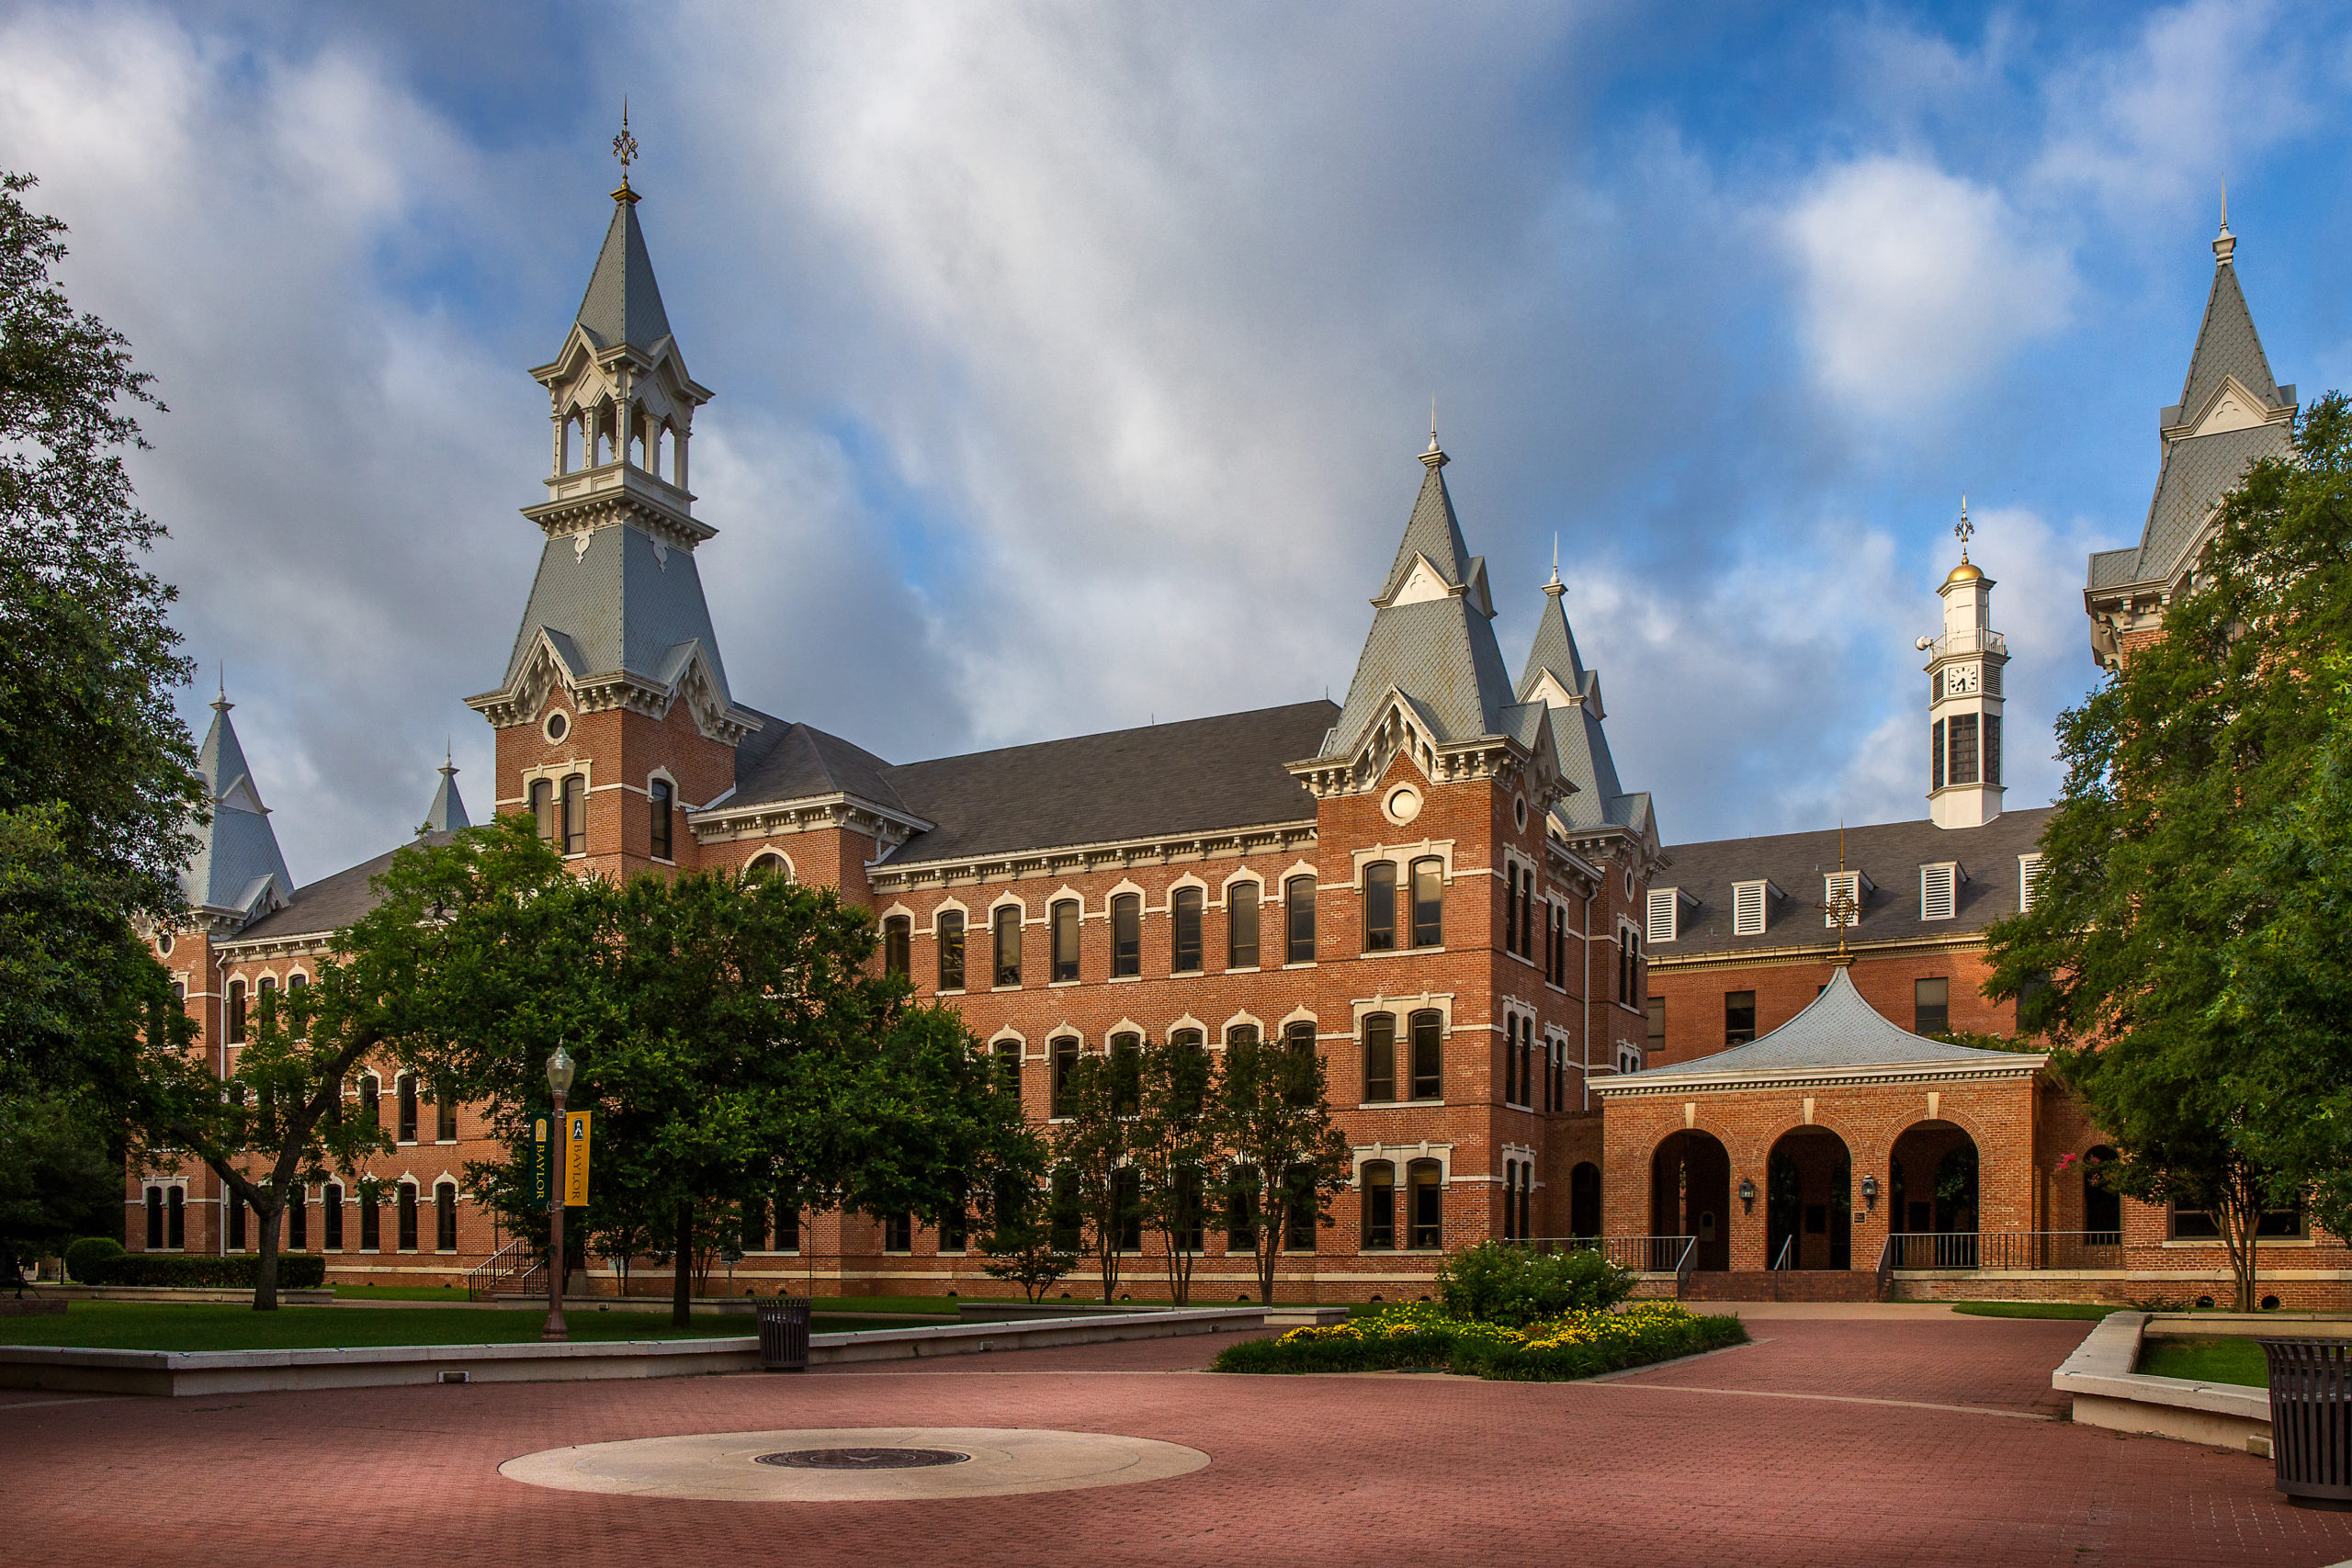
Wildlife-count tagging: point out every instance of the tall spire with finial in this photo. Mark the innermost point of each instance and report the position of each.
(625, 149)
(447, 812)
(2224, 243)
(237, 872)
(1966, 530)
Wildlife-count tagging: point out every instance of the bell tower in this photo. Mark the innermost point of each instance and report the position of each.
(615, 710)
(1964, 667)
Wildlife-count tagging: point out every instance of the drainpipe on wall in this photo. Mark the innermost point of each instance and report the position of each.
(1584, 1086)
(221, 1204)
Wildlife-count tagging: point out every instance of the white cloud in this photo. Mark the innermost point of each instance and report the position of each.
(1917, 285)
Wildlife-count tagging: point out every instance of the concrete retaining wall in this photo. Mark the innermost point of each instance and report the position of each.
(2108, 1393)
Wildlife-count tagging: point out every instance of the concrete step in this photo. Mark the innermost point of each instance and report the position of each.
(1782, 1285)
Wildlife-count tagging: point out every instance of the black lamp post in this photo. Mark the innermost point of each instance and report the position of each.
(559, 1071)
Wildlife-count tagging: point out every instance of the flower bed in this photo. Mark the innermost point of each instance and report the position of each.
(1575, 1345)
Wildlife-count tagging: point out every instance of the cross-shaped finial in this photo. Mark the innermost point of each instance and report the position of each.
(1965, 531)
(624, 145)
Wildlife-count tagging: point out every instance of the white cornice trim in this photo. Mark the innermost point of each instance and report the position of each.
(1052, 860)
(1668, 1083)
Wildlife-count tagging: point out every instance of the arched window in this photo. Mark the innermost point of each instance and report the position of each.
(445, 1216)
(543, 808)
(1008, 945)
(1428, 1054)
(1379, 1206)
(371, 1089)
(266, 999)
(445, 1113)
(1298, 918)
(575, 815)
(1184, 922)
(1008, 1066)
(407, 1087)
(331, 1217)
(898, 945)
(299, 1026)
(154, 1219)
(1429, 902)
(1063, 921)
(1526, 1198)
(955, 1225)
(1380, 1060)
(1241, 901)
(298, 1219)
(176, 1217)
(2102, 1210)
(1063, 1054)
(1126, 934)
(1380, 907)
(236, 1224)
(1510, 906)
(371, 1221)
(1425, 1207)
(407, 1203)
(659, 796)
(1584, 1200)
(1298, 1040)
(770, 864)
(1511, 1058)
(949, 926)
(237, 1019)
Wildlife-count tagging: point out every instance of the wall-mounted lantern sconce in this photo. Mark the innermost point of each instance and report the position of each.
(1869, 1190)
(1747, 1194)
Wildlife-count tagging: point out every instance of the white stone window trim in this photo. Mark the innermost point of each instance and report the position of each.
(2028, 875)
(1751, 904)
(1402, 1155)
(1940, 885)
(944, 906)
(770, 853)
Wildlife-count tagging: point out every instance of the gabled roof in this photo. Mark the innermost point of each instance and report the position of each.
(1836, 1030)
(800, 761)
(1600, 800)
(1436, 648)
(237, 866)
(447, 812)
(616, 601)
(332, 902)
(623, 304)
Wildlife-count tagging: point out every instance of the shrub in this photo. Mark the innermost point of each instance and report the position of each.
(296, 1271)
(1497, 1281)
(83, 1255)
(1574, 1345)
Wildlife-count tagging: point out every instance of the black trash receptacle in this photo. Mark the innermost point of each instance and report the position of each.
(784, 1334)
(2311, 1417)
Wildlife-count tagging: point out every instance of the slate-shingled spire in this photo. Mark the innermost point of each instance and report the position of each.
(447, 812)
(623, 304)
(237, 872)
(1555, 675)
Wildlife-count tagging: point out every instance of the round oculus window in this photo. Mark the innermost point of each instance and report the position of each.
(1402, 805)
(1519, 810)
(164, 943)
(558, 725)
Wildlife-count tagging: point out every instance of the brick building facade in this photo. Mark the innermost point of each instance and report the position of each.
(1440, 881)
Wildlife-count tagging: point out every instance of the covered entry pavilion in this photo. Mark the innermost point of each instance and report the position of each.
(1809, 1147)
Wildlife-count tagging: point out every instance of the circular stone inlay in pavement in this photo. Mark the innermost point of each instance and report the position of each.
(783, 1467)
(862, 1459)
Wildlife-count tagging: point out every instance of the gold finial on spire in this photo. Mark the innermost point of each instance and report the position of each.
(625, 149)
(1840, 904)
(1966, 530)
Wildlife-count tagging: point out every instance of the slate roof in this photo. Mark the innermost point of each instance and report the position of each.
(237, 859)
(1890, 854)
(623, 304)
(447, 812)
(1439, 652)
(2197, 472)
(331, 903)
(1199, 776)
(2227, 345)
(1836, 1028)
(1600, 800)
(796, 762)
(621, 604)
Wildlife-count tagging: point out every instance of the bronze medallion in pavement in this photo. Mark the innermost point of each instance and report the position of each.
(862, 1459)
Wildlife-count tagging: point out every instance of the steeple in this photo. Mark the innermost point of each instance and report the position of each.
(237, 872)
(1964, 666)
(1555, 675)
(447, 812)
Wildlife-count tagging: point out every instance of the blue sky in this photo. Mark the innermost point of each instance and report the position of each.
(1071, 360)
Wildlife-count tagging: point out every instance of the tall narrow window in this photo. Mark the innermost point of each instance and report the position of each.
(406, 1084)
(1739, 1017)
(787, 1223)
(949, 926)
(1930, 1006)
(1184, 922)
(1298, 910)
(1063, 921)
(1126, 934)
(1241, 900)
(1510, 907)
(1008, 947)
(1960, 736)
(1241, 1211)
(1527, 913)
(445, 1217)
(445, 1113)
(1380, 1056)
(1380, 907)
(408, 1216)
(371, 1222)
(898, 945)
(1301, 1212)
(1426, 1206)
(1008, 1067)
(899, 1233)
(1993, 746)
(297, 1219)
(176, 1217)
(237, 1019)
(265, 999)
(296, 1023)
(575, 815)
(331, 1215)
(236, 1224)
(543, 809)
(154, 1219)
(371, 1094)
(1126, 1208)
(1428, 1054)
(1511, 1194)
(657, 794)
(956, 1226)
(1063, 1056)
(1379, 1184)
(1191, 1208)
(1657, 1037)
(1065, 1218)
(1429, 902)
(1126, 1074)
(1629, 965)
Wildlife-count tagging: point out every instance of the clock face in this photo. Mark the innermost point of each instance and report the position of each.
(1959, 681)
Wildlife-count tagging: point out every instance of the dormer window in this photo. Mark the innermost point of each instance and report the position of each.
(1939, 890)
(1665, 914)
(1843, 894)
(2028, 874)
(1749, 912)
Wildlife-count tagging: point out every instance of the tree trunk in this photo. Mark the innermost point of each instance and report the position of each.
(1272, 1214)
(265, 1266)
(681, 1279)
(2239, 1226)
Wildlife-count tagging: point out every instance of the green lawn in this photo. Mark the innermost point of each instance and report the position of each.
(2084, 1311)
(2206, 1360)
(139, 1325)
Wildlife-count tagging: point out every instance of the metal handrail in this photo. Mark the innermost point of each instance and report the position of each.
(1685, 1264)
(2004, 1251)
(1641, 1254)
(1971, 641)
(510, 1266)
(1886, 1270)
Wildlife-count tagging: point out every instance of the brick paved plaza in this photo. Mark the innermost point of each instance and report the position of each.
(1913, 1439)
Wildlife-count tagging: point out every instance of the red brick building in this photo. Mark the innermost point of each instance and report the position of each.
(1440, 882)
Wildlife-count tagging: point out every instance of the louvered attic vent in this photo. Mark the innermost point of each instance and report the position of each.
(2028, 874)
(1939, 890)
(1749, 912)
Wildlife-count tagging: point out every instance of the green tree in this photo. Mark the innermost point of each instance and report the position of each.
(1285, 1158)
(58, 1179)
(1094, 1143)
(2181, 774)
(1174, 1148)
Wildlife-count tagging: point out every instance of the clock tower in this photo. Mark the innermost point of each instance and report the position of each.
(1964, 698)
